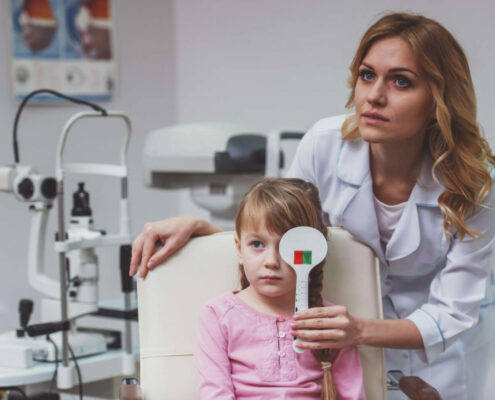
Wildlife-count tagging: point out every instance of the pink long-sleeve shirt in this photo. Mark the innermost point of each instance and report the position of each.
(244, 354)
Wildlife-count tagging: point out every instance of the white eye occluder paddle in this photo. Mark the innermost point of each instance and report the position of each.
(302, 248)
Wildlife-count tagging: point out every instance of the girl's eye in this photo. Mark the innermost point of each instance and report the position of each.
(402, 82)
(257, 244)
(366, 75)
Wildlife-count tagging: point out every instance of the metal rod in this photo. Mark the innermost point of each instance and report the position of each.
(63, 271)
(128, 328)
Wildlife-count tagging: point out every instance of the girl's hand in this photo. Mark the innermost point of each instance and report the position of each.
(326, 327)
(172, 234)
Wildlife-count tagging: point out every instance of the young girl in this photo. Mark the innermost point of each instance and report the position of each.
(244, 343)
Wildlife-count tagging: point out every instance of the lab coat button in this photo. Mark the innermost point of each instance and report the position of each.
(281, 353)
(281, 334)
(280, 319)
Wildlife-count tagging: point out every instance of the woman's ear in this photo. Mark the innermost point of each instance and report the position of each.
(238, 247)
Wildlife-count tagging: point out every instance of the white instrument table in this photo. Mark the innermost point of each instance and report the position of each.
(93, 368)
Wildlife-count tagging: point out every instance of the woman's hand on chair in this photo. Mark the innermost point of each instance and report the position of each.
(326, 327)
(171, 234)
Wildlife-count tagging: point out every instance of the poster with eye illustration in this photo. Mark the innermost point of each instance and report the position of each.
(63, 45)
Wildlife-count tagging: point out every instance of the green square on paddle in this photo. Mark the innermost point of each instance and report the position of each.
(306, 257)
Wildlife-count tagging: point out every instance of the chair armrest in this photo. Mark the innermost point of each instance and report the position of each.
(417, 389)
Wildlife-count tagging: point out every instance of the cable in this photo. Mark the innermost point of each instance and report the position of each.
(94, 106)
(78, 373)
(56, 363)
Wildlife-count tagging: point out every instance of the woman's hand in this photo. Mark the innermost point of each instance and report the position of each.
(326, 327)
(172, 234)
(333, 327)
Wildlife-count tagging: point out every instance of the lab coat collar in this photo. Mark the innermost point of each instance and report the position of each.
(353, 166)
(353, 170)
(359, 216)
(407, 236)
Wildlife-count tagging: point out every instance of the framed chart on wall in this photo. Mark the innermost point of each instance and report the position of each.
(64, 45)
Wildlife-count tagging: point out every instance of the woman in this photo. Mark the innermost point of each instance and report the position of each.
(409, 174)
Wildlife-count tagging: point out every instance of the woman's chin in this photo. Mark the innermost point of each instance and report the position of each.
(373, 136)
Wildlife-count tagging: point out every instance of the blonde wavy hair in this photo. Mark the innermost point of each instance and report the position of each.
(462, 156)
(278, 205)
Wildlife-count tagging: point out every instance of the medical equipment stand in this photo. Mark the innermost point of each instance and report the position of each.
(65, 376)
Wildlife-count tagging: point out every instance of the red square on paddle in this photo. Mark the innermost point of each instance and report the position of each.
(298, 257)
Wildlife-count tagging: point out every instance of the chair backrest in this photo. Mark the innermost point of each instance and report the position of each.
(170, 298)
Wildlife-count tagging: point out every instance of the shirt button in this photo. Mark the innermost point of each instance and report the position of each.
(281, 334)
(405, 356)
(281, 353)
(280, 319)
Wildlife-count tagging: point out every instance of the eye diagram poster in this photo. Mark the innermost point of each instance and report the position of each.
(64, 45)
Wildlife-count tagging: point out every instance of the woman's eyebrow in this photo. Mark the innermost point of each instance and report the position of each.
(398, 69)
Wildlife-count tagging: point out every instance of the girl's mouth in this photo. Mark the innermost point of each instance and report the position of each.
(270, 278)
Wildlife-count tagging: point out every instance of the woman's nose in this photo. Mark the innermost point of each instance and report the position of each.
(377, 93)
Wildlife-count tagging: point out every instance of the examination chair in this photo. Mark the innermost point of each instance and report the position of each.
(170, 298)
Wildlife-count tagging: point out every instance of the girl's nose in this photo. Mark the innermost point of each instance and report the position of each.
(272, 259)
(377, 93)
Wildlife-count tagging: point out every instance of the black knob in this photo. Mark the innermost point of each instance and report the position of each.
(26, 188)
(25, 310)
(49, 188)
(81, 202)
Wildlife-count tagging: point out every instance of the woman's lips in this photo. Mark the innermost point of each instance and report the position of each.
(374, 119)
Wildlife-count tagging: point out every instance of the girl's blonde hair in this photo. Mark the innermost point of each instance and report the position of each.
(279, 205)
(462, 156)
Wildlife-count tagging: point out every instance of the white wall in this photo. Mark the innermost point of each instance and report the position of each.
(285, 62)
(145, 90)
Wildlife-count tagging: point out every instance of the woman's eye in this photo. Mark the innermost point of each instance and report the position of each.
(366, 75)
(256, 244)
(402, 82)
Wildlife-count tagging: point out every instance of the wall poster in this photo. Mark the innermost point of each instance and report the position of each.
(64, 45)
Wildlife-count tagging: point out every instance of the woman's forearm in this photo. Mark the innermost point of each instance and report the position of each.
(202, 227)
(391, 333)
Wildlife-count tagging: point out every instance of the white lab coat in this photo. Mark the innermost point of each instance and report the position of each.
(446, 289)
